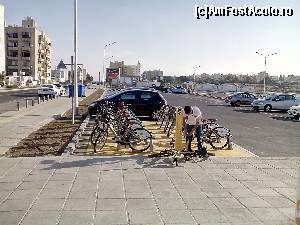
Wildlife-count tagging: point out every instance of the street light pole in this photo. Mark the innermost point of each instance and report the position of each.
(75, 84)
(104, 58)
(194, 78)
(265, 56)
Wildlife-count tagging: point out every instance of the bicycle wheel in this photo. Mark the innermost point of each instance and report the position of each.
(219, 137)
(100, 140)
(94, 135)
(140, 139)
(100, 126)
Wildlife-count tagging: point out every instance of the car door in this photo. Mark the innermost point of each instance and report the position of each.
(278, 102)
(129, 98)
(245, 98)
(290, 101)
(149, 102)
(251, 98)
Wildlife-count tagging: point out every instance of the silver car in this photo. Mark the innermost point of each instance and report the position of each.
(276, 101)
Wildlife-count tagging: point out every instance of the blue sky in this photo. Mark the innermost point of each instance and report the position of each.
(165, 34)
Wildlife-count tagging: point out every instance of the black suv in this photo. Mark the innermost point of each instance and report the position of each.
(142, 102)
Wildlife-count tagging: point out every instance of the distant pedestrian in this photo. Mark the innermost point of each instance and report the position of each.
(192, 119)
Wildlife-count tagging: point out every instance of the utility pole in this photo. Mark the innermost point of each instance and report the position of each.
(265, 56)
(75, 59)
(99, 80)
(73, 103)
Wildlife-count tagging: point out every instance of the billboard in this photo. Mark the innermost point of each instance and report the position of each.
(112, 73)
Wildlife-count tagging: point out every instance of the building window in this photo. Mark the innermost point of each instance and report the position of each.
(11, 62)
(26, 63)
(25, 54)
(12, 35)
(12, 44)
(12, 54)
(26, 44)
(25, 35)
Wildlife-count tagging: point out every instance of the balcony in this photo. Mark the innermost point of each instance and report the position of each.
(26, 57)
(12, 66)
(12, 38)
(26, 48)
(26, 67)
(12, 48)
(12, 57)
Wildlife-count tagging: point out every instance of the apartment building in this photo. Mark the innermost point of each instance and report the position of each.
(127, 70)
(2, 39)
(28, 51)
(152, 75)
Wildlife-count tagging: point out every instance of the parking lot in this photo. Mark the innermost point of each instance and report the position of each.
(264, 134)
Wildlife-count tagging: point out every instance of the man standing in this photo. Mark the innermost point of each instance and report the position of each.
(192, 119)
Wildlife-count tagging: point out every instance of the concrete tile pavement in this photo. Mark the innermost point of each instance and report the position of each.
(128, 190)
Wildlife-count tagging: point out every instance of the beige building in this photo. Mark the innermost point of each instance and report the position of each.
(152, 75)
(127, 70)
(28, 51)
(2, 39)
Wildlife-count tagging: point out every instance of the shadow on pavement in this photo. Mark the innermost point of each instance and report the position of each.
(245, 111)
(290, 119)
(220, 105)
(143, 161)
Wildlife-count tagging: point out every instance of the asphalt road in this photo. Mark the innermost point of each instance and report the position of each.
(8, 98)
(264, 134)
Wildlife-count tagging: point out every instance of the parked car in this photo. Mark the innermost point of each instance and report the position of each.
(162, 88)
(179, 90)
(61, 89)
(240, 98)
(142, 102)
(276, 101)
(53, 87)
(294, 111)
(46, 91)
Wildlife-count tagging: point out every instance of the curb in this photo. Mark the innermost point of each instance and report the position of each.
(69, 150)
(243, 149)
(71, 147)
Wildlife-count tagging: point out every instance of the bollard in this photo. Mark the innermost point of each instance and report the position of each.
(178, 131)
(298, 200)
(26, 103)
(39, 100)
(32, 102)
(43, 98)
(18, 106)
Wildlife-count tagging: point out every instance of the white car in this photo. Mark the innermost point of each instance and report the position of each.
(53, 87)
(276, 101)
(294, 111)
(179, 90)
(61, 89)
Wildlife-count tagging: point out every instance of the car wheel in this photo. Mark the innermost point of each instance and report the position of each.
(232, 104)
(238, 103)
(297, 117)
(268, 108)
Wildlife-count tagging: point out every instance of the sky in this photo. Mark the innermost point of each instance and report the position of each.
(166, 35)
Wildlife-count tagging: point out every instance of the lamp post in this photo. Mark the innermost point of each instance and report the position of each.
(194, 76)
(265, 56)
(75, 81)
(104, 57)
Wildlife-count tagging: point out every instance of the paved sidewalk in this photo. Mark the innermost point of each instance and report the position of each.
(16, 125)
(137, 190)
